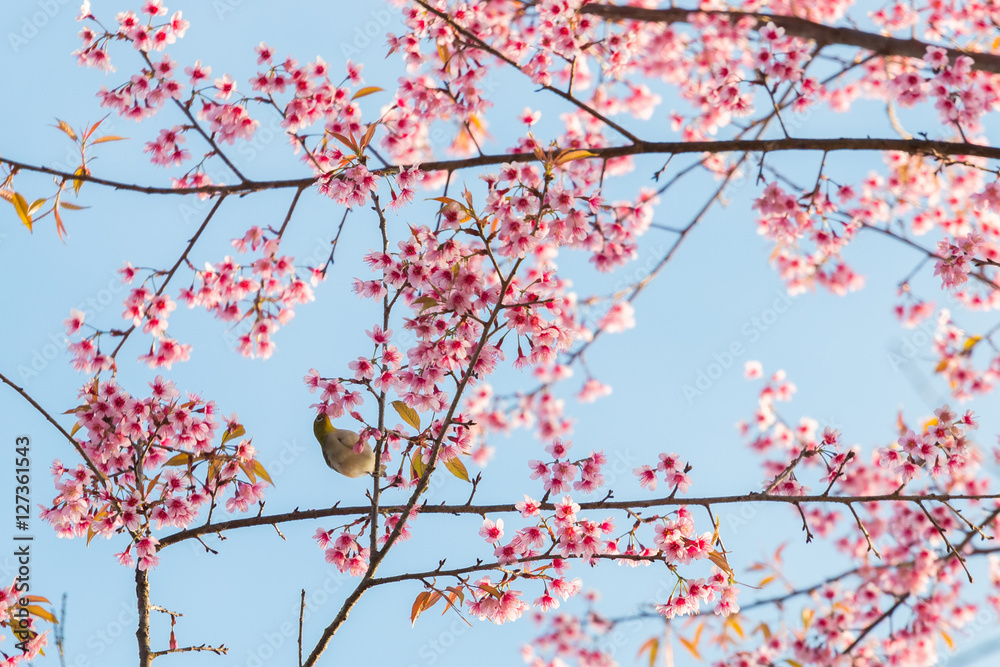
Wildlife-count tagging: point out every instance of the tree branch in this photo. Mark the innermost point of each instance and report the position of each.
(304, 515)
(799, 27)
(937, 149)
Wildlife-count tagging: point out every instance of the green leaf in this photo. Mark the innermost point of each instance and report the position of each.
(569, 156)
(418, 464)
(259, 469)
(233, 433)
(457, 469)
(179, 460)
(407, 414)
(426, 302)
(35, 205)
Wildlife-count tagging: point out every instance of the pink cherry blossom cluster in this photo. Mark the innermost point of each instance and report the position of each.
(942, 447)
(156, 464)
(144, 36)
(344, 551)
(262, 294)
(954, 263)
(692, 594)
(788, 220)
(23, 622)
(956, 353)
(917, 311)
(145, 309)
(674, 474)
(558, 475)
(144, 93)
(568, 637)
(914, 541)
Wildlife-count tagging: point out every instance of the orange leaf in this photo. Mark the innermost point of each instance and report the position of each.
(35, 205)
(491, 590)
(41, 613)
(366, 91)
(653, 645)
(60, 227)
(350, 143)
(970, 343)
(692, 644)
(64, 126)
(179, 460)
(721, 562)
(108, 137)
(77, 183)
(569, 156)
(21, 206)
(88, 133)
(419, 605)
(368, 135)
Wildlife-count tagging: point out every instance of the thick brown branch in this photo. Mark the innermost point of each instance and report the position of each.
(142, 603)
(479, 567)
(912, 146)
(481, 510)
(568, 96)
(423, 482)
(799, 27)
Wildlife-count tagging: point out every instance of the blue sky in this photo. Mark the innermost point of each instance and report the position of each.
(834, 348)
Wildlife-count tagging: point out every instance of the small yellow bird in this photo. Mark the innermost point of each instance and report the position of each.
(338, 449)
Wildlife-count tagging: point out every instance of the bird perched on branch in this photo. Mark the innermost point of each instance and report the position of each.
(338, 449)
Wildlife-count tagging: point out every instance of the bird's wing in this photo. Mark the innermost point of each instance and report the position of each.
(343, 438)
